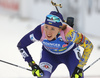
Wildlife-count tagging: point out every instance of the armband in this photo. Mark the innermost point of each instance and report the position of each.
(82, 40)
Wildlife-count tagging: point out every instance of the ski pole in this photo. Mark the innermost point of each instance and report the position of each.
(31, 70)
(91, 64)
(15, 65)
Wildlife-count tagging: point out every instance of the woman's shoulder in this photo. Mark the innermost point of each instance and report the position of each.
(42, 27)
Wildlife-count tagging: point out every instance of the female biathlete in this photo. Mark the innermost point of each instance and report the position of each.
(60, 45)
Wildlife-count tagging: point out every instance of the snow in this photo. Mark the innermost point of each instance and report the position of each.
(12, 29)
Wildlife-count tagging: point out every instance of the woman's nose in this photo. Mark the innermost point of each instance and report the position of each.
(48, 31)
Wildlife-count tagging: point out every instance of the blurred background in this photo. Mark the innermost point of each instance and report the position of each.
(18, 17)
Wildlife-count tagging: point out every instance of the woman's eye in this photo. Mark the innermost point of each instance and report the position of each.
(52, 29)
(46, 27)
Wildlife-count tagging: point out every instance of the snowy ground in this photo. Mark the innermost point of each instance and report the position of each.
(12, 29)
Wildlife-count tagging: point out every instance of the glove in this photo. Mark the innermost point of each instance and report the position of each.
(77, 73)
(36, 70)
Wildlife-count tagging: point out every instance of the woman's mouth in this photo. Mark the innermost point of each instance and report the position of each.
(49, 36)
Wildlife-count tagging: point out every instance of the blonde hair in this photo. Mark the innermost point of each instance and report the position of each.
(64, 26)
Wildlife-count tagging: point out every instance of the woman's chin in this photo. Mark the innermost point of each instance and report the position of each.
(49, 38)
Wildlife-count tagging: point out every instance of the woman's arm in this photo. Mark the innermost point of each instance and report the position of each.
(28, 39)
(84, 42)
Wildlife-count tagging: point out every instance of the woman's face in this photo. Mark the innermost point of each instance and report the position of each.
(51, 32)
